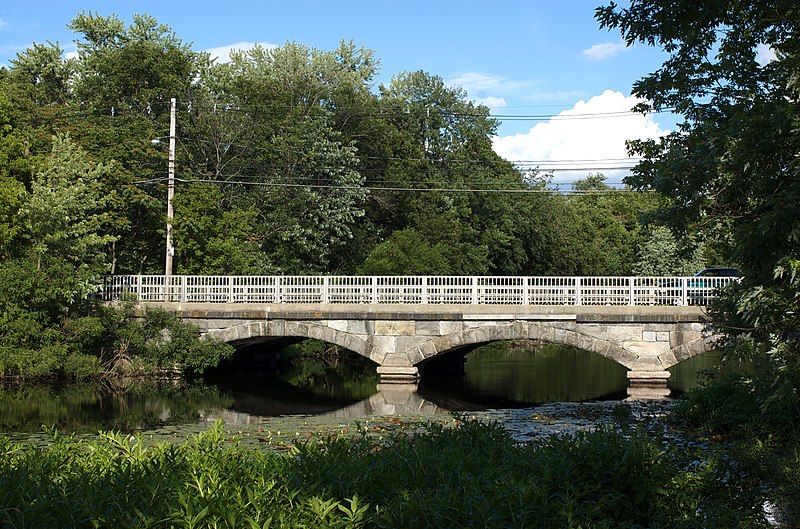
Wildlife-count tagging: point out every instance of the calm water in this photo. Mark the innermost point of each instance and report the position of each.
(499, 376)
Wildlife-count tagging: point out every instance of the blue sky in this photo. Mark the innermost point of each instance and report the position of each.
(519, 57)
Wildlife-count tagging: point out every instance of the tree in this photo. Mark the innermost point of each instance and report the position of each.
(661, 256)
(43, 68)
(62, 219)
(732, 162)
(406, 252)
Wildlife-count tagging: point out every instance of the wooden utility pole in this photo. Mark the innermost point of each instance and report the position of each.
(170, 250)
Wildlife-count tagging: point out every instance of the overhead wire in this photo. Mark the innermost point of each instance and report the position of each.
(394, 189)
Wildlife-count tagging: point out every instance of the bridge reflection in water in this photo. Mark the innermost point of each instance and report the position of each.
(495, 377)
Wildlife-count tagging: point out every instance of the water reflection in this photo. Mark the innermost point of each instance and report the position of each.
(686, 375)
(520, 373)
(503, 375)
(88, 407)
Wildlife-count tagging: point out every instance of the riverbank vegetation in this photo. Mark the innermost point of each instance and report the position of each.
(470, 475)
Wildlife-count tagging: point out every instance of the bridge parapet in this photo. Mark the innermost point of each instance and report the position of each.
(418, 290)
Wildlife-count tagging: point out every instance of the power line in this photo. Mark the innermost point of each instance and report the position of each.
(599, 161)
(397, 189)
(396, 112)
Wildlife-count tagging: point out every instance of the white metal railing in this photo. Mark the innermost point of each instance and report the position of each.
(416, 290)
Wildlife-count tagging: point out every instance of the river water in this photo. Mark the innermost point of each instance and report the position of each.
(328, 394)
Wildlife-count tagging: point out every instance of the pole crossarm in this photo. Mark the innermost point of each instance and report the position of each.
(417, 290)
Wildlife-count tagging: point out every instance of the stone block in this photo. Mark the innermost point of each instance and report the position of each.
(519, 329)
(585, 342)
(600, 346)
(628, 359)
(502, 332)
(339, 325)
(395, 360)
(442, 343)
(242, 332)
(256, 329)
(427, 328)
(662, 336)
(394, 328)
(454, 340)
(681, 352)
(667, 359)
(477, 335)
(648, 384)
(568, 325)
(386, 344)
(415, 356)
(643, 348)
(534, 331)
(697, 347)
(449, 327)
(573, 339)
(276, 327)
(624, 333)
(357, 327)
(647, 364)
(547, 334)
(405, 343)
(377, 356)
(428, 349)
(648, 336)
(616, 353)
(355, 344)
(390, 373)
(561, 336)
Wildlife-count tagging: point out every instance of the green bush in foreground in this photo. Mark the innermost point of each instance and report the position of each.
(471, 476)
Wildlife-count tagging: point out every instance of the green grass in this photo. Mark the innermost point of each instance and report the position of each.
(473, 475)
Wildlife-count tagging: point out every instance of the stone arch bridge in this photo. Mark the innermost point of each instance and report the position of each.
(646, 330)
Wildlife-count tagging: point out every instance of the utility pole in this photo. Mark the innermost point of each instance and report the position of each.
(170, 250)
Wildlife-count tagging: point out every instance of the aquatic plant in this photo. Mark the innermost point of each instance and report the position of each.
(470, 475)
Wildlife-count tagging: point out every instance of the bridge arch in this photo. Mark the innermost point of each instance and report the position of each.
(546, 332)
(255, 332)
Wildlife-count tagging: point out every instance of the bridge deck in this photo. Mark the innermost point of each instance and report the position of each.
(355, 311)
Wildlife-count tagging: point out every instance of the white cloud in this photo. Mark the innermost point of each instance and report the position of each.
(598, 138)
(563, 95)
(604, 50)
(3, 23)
(223, 53)
(477, 83)
(71, 55)
(764, 54)
(492, 102)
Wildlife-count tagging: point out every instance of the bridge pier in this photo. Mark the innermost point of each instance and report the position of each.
(398, 375)
(648, 385)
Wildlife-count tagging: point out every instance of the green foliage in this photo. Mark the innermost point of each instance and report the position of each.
(154, 338)
(213, 239)
(43, 68)
(732, 167)
(731, 173)
(405, 252)
(661, 256)
(471, 475)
